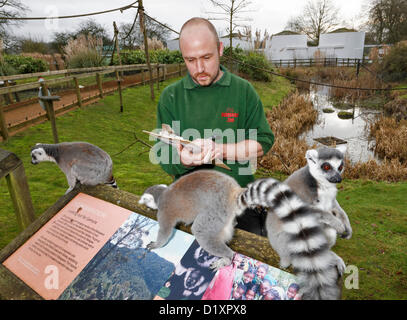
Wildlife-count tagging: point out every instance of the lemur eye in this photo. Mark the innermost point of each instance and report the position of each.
(326, 167)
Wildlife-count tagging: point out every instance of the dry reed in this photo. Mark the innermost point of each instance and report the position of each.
(389, 170)
(296, 114)
(391, 138)
(153, 44)
(292, 117)
(84, 51)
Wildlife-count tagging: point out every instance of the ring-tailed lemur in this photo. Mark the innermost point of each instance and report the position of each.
(211, 200)
(316, 184)
(80, 161)
(152, 195)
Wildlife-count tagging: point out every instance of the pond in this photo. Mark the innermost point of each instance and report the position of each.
(354, 131)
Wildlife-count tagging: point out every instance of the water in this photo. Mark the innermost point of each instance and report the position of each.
(355, 131)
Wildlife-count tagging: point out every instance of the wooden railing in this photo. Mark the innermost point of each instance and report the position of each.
(161, 72)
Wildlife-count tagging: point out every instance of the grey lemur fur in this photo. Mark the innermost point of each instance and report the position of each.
(211, 201)
(81, 162)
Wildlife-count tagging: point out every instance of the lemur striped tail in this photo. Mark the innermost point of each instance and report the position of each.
(305, 244)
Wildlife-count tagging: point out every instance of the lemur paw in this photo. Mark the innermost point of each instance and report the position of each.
(340, 265)
(220, 263)
(284, 263)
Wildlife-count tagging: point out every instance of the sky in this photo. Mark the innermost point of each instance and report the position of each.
(264, 14)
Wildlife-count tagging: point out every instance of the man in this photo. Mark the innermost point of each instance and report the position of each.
(218, 110)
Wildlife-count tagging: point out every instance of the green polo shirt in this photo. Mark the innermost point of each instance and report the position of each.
(229, 108)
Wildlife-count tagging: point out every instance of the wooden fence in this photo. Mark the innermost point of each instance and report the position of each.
(161, 73)
(321, 62)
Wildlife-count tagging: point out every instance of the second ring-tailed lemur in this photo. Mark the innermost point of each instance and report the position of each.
(80, 161)
(211, 201)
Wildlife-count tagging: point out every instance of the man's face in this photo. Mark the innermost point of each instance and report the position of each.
(201, 54)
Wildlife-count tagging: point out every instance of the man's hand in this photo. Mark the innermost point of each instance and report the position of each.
(209, 151)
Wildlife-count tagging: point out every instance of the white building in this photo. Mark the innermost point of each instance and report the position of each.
(331, 45)
(173, 45)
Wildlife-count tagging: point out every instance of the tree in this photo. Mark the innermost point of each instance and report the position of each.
(387, 20)
(230, 12)
(131, 37)
(319, 16)
(10, 9)
(91, 27)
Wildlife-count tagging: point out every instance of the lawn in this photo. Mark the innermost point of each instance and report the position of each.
(377, 210)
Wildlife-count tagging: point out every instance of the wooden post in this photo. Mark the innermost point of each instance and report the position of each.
(78, 91)
(357, 69)
(165, 72)
(99, 82)
(119, 86)
(180, 69)
(295, 63)
(48, 102)
(143, 81)
(143, 29)
(9, 94)
(3, 124)
(12, 168)
(158, 76)
(116, 42)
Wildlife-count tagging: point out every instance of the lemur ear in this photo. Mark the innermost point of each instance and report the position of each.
(37, 143)
(342, 147)
(311, 155)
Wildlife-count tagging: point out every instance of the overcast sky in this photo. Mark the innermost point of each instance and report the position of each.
(267, 14)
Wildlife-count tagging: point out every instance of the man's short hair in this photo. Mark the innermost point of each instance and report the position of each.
(201, 21)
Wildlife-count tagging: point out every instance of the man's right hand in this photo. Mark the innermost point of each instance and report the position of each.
(209, 151)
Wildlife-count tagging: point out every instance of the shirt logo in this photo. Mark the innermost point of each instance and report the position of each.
(230, 115)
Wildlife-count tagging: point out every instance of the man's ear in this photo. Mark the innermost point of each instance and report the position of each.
(221, 48)
(311, 156)
(342, 147)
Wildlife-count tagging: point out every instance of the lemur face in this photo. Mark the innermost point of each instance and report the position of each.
(326, 164)
(39, 155)
(148, 200)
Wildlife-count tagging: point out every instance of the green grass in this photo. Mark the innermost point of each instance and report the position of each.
(377, 210)
(274, 92)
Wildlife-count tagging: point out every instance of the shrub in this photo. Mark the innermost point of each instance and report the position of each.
(251, 64)
(23, 64)
(5, 68)
(394, 64)
(156, 56)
